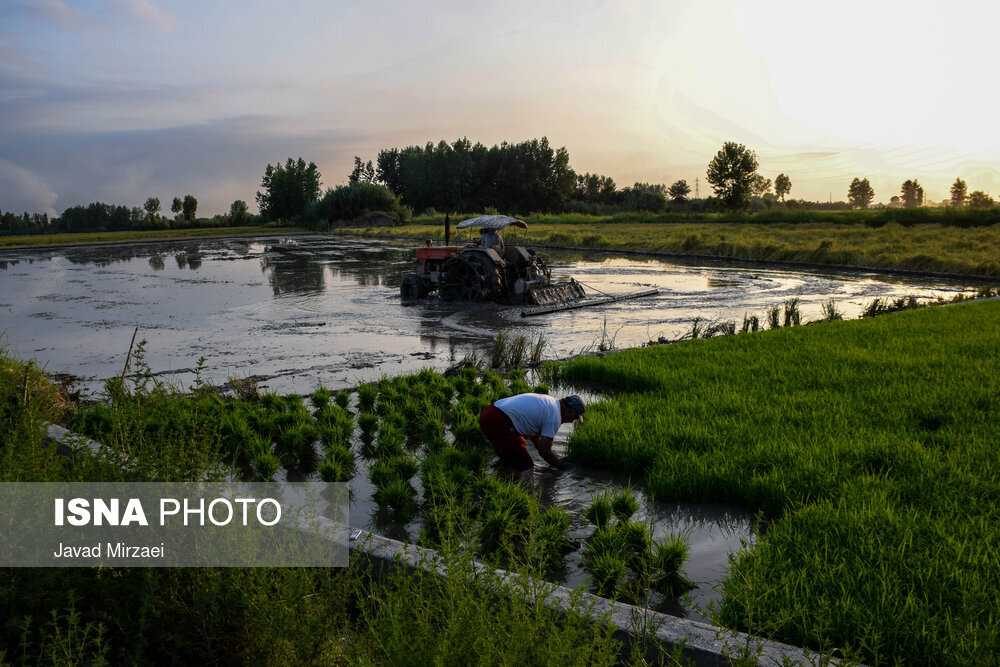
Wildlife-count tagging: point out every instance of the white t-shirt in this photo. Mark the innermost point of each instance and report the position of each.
(532, 414)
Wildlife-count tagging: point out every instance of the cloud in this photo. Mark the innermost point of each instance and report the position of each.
(216, 161)
(149, 12)
(54, 11)
(22, 190)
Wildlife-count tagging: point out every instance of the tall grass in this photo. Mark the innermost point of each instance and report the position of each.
(869, 447)
(817, 239)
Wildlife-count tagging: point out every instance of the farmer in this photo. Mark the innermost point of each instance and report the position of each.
(536, 417)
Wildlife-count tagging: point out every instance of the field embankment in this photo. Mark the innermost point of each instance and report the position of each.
(869, 447)
(936, 247)
(100, 238)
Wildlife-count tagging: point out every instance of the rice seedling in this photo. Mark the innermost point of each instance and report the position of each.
(397, 466)
(295, 446)
(320, 397)
(390, 441)
(398, 497)
(774, 317)
(666, 559)
(367, 393)
(793, 317)
(624, 504)
(751, 324)
(538, 345)
(607, 571)
(600, 510)
(342, 398)
(338, 465)
(830, 311)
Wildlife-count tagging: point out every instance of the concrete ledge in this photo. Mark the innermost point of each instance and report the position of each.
(704, 644)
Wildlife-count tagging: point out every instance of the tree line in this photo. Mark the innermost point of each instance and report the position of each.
(103, 217)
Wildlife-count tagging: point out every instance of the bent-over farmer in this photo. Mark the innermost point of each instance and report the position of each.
(536, 417)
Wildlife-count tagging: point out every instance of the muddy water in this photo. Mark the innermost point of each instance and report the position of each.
(329, 312)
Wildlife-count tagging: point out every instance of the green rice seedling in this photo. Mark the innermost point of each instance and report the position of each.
(600, 511)
(399, 466)
(465, 429)
(537, 351)
(398, 497)
(342, 398)
(793, 317)
(638, 540)
(265, 464)
(548, 542)
(499, 350)
(320, 397)
(493, 386)
(830, 311)
(624, 504)
(389, 442)
(295, 446)
(338, 465)
(506, 511)
(666, 559)
(541, 389)
(751, 324)
(367, 393)
(518, 384)
(608, 572)
(368, 423)
(774, 317)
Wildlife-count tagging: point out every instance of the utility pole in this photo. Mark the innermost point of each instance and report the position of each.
(697, 188)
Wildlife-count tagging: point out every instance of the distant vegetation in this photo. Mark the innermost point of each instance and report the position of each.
(521, 178)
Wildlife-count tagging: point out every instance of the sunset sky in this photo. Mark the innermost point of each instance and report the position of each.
(118, 100)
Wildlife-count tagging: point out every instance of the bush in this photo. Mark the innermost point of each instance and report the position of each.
(349, 202)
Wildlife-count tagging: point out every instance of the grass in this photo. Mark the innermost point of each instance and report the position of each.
(868, 447)
(85, 238)
(834, 240)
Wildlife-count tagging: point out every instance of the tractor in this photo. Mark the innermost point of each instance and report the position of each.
(486, 270)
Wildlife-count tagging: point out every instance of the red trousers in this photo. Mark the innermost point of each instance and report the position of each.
(509, 445)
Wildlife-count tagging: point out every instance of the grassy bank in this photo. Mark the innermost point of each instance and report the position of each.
(932, 247)
(871, 448)
(85, 238)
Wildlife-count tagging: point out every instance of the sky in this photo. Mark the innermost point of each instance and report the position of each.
(119, 100)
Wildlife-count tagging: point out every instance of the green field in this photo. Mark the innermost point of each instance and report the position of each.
(85, 238)
(870, 448)
(839, 241)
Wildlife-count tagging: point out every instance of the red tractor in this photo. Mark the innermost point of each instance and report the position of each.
(486, 270)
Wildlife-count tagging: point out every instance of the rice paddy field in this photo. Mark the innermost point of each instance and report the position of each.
(931, 247)
(868, 448)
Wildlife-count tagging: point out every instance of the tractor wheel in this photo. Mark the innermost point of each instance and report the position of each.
(465, 279)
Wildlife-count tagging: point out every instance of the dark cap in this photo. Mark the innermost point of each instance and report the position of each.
(575, 405)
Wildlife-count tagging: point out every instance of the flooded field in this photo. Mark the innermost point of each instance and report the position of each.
(330, 312)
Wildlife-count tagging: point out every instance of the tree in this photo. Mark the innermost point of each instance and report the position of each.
(288, 190)
(189, 206)
(782, 186)
(860, 193)
(152, 207)
(645, 197)
(912, 194)
(679, 191)
(959, 192)
(362, 173)
(238, 212)
(177, 205)
(731, 173)
(760, 186)
(980, 199)
(349, 202)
